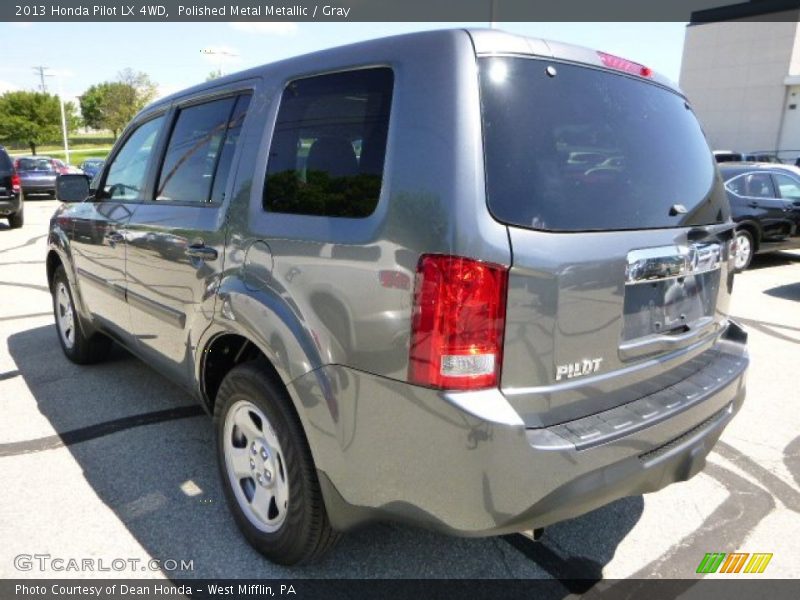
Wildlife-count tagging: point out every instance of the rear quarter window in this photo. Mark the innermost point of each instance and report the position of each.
(328, 148)
(573, 148)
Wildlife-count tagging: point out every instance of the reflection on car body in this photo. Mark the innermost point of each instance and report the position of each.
(765, 204)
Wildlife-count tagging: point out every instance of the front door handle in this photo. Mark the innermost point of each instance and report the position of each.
(201, 251)
(753, 205)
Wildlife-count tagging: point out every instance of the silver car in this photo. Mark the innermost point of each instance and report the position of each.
(463, 279)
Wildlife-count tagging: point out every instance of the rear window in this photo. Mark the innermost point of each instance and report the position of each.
(571, 148)
(329, 145)
(5, 162)
(35, 164)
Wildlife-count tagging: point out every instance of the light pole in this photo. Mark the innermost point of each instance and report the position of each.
(42, 71)
(63, 120)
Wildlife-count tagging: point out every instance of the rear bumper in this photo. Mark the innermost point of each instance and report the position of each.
(465, 463)
(9, 205)
(38, 187)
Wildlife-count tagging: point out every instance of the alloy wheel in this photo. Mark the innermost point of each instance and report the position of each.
(744, 249)
(65, 315)
(254, 461)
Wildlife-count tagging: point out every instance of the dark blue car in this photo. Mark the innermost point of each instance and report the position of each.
(92, 166)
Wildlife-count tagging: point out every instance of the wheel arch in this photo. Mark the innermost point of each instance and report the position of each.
(754, 230)
(222, 352)
(57, 256)
(52, 263)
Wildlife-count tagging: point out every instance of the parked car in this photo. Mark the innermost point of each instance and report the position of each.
(727, 156)
(92, 166)
(756, 156)
(542, 339)
(37, 175)
(60, 167)
(762, 156)
(11, 204)
(765, 204)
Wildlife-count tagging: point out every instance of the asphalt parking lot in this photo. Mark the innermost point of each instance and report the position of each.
(113, 461)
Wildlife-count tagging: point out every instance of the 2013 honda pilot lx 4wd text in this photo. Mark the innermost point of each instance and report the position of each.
(462, 279)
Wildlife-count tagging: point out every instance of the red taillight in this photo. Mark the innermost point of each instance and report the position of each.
(623, 64)
(458, 322)
(15, 182)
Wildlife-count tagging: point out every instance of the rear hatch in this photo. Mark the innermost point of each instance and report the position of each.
(619, 229)
(36, 172)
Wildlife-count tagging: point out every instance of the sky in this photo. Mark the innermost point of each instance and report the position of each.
(81, 54)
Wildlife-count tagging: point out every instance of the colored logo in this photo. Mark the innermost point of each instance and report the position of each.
(736, 562)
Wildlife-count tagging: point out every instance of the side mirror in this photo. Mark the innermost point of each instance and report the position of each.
(72, 187)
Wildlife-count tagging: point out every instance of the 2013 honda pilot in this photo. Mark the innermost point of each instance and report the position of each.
(463, 279)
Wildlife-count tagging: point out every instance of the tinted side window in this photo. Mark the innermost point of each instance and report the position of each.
(736, 185)
(187, 173)
(788, 187)
(329, 145)
(758, 185)
(228, 149)
(127, 173)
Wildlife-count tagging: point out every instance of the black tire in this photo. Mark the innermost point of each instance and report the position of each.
(744, 239)
(17, 220)
(84, 350)
(305, 533)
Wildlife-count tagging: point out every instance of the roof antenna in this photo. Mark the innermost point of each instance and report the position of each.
(492, 14)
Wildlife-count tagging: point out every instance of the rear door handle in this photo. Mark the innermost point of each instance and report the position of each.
(202, 252)
(753, 205)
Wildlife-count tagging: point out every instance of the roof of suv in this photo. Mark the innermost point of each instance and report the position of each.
(484, 41)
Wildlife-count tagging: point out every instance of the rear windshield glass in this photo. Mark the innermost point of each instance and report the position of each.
(5, 161)
(572, 148)
(35, 164)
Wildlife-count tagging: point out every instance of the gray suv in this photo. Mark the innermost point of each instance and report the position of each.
(462, 279)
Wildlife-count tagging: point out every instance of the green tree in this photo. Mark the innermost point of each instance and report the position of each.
(119, 106)
(132, 91)
(92, 105)
(74, 119)
(32, 118)
(215, 74)
(112, 104)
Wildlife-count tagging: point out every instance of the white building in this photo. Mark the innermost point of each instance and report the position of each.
(741, 72)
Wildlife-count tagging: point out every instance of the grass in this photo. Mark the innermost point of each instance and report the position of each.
(81, 147)
(76, 155)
